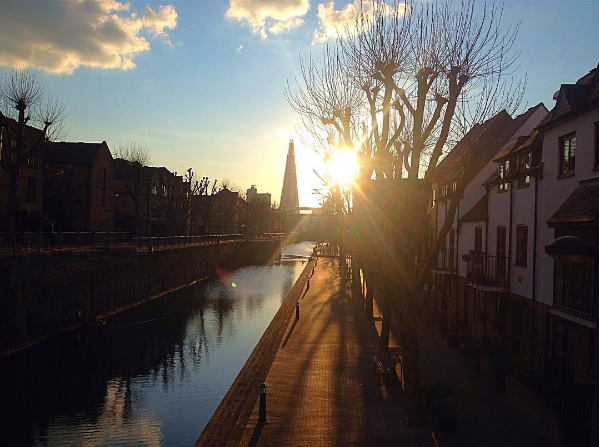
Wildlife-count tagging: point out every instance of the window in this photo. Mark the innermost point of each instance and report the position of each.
(567, 155)
(521, 245)
(524, 164)
(573, 283)
(478, 239)
(504, 170)
(434, 198)
(500, 253)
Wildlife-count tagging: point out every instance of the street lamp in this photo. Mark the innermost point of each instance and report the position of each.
(576, 250)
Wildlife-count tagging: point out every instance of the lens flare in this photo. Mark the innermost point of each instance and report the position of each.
(342, 166)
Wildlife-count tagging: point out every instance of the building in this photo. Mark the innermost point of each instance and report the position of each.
(569, 205)
(531, 314)
(152, 200)
(461, 287)
(258, 210)
(252, 195)
(28, 216)
(79, 186)
(289, 195)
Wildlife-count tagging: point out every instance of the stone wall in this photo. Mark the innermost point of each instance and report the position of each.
(43, 293)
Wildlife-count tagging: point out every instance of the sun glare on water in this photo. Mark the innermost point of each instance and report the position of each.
(343, 167)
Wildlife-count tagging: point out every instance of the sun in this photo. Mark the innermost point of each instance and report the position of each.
(342, 166)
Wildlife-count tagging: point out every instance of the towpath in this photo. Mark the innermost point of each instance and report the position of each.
(322, 388)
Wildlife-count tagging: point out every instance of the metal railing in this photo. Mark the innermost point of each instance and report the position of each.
(487, 270)
(17, 242)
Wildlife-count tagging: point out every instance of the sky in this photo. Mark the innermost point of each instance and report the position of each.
(200, 83)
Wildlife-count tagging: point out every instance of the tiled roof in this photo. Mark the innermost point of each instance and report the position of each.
(532, 141)
(581, 206)
(478, 212)
(487, 140)
(75, 153)
(575, 96)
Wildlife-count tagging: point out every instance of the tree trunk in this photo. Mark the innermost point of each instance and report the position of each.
(408, 336)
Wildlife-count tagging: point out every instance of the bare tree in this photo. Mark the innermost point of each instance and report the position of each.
(29, 120)
(402, 86)
(134, 174)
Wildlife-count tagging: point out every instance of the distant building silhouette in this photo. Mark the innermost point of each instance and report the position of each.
(289, 197)
(252, 195)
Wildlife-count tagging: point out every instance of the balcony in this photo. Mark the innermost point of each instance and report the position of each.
(446, 261)
(485, 270)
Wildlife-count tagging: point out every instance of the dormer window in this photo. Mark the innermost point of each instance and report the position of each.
(567, 155)
(504, 170)
(524, 165)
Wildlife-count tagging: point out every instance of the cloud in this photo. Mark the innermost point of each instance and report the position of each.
(60, 36)
(159, 20)
(269, 16)
(331, 22)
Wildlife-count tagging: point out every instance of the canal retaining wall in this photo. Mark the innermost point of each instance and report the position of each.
(43, 293)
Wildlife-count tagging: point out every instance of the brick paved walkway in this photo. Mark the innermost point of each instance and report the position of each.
(322, 388)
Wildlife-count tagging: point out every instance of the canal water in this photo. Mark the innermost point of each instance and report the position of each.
(152, 375)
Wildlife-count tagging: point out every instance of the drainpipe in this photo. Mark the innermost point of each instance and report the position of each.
(457, 262)
(509, 250)
(534, 268)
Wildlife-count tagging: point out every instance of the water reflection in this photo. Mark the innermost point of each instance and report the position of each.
(152, 375)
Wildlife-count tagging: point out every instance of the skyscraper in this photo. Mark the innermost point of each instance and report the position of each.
(289, 197)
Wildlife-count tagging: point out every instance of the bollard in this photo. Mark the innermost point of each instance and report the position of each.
(297, 311)
(262, 410)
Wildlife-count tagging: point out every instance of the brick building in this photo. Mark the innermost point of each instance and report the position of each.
(30, 184)
(79, 186)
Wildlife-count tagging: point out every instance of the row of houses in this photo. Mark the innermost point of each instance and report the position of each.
(536, 178)
(77, 186)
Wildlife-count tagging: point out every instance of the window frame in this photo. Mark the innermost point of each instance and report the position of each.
(503, 172)
(523, 168)
(521, 246)
(571, 155)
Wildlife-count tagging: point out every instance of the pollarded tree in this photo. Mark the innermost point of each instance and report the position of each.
(29, 121)
(425, 73)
